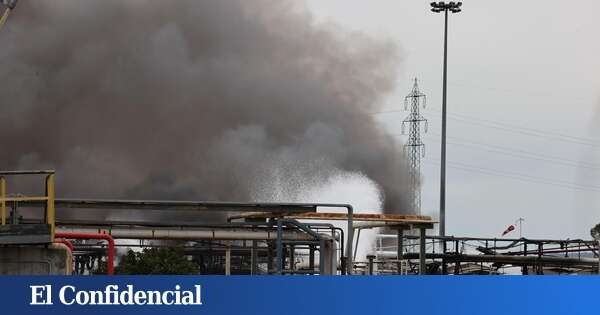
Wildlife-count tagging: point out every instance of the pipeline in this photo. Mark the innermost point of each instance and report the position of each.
(110, 260)
(189, 234)
(198, 234)
(509, 259)
(276, 208)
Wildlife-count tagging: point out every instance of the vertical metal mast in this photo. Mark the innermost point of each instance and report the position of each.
(437, 7)
(414, 147)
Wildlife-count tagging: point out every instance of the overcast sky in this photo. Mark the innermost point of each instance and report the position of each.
(524, 85)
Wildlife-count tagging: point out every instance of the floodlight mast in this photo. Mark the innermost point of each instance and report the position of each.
(438, 7)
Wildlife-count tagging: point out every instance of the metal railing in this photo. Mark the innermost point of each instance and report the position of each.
(47, 199)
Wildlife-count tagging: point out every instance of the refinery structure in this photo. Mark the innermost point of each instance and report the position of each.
(42, 233)
(260, 239)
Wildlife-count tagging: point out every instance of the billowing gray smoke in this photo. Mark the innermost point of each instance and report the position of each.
(192, 99)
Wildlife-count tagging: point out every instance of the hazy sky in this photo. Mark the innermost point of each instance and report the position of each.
(524, 86)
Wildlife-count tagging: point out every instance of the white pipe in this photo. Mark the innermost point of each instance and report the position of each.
(189, 234)
(228, 259)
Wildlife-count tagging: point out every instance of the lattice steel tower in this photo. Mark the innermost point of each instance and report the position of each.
(414, 148)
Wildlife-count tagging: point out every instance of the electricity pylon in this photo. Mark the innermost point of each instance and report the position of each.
(414, 148)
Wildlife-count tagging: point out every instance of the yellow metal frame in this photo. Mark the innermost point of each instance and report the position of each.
(50, 210)
(3, 199)
(4, 17)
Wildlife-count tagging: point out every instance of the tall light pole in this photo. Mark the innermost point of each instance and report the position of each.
(520, 223)
(438, 7)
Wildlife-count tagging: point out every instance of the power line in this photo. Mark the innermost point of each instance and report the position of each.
(521, 153)
(529, 176)
(517, 153)
(523, 130)
(519, 177)
(512, 128)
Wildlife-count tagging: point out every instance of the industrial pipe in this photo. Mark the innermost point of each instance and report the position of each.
(350, 241)
(110, 259)
(275, 208)
(190, 234)
(341, 239)
(507, 259)
(310, 232)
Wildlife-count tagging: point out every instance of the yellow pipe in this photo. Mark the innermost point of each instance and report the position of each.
(3, 199)
(50, 211)
(4, 17)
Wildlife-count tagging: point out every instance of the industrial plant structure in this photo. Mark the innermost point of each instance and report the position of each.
(257, 238)
(41, 234)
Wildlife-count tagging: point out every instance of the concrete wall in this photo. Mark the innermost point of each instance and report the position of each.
(54, 259)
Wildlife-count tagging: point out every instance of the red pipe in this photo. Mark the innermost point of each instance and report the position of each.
(66, 242)
(88, 236)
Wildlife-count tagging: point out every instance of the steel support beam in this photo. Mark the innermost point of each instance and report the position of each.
(311, 259)
(254, 258)
(292, 257)
(422, 263)
(322, 256)
(228, 259)
(370, 258)
(400, 244)
(279, 246)
(356, 246)
(444, 263)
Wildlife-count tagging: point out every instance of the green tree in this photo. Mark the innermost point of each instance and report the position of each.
(595, 232)
(156, 261)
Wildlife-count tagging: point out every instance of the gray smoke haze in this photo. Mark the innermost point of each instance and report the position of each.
(194, 100)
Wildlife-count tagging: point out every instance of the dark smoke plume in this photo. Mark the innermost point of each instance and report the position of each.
(192, 99)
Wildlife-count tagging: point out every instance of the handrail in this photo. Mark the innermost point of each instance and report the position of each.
(48, 200)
